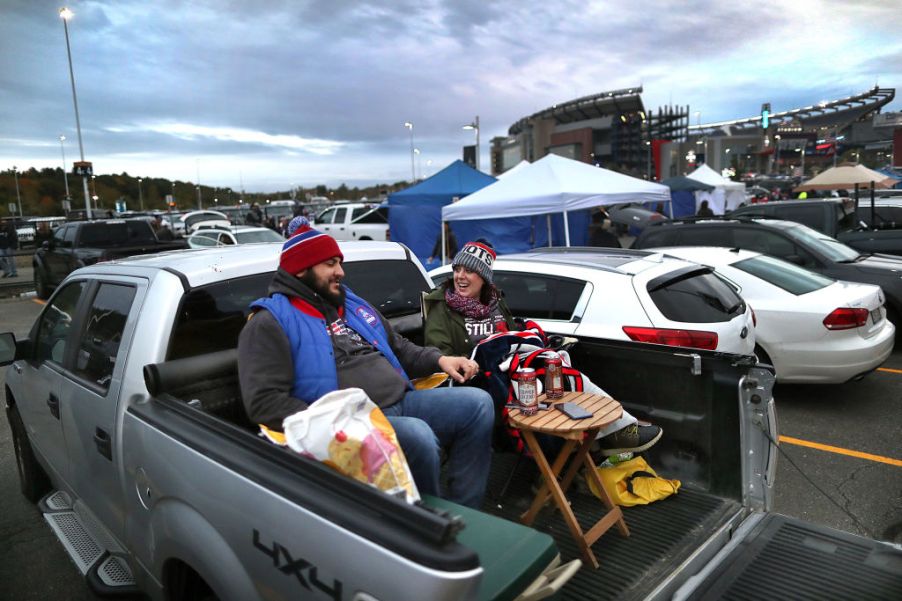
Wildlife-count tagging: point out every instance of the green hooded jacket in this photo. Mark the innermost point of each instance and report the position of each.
(446, 330)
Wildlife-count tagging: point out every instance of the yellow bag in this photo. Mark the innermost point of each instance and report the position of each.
(633, 482)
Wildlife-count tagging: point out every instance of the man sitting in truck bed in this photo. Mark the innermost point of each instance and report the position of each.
(312, 336)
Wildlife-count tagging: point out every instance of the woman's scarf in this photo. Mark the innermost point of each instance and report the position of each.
(470, 307)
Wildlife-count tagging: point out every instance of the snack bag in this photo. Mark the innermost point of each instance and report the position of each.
(349, 433)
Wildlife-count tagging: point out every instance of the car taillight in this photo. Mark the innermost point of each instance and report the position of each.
(388, 234)
(693, 338)
(754, 317)
(845, 318)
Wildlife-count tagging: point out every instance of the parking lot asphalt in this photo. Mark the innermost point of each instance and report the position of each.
(858, 426)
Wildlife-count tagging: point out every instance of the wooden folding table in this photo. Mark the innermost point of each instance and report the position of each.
(578, 434)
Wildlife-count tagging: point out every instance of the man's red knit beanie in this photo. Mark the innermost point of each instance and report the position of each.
(307, 248)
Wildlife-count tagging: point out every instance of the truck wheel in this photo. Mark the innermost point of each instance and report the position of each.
(365, 238)
(40, 284)
(33, 481)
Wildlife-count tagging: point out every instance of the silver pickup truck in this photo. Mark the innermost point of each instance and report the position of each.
(130, 434)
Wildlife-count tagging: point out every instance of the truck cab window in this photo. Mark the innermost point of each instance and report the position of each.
(98, 347)
(210, 318)
(55, 324)
(326, 216)
(393, 287)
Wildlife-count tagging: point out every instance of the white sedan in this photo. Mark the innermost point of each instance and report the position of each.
(811, 328)
(239, 234)
(624, 295)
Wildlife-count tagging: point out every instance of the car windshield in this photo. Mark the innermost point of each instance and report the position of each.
(831, 248)
(258, 236)
(789, 277)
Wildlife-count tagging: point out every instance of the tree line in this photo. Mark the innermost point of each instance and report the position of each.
(42, 192)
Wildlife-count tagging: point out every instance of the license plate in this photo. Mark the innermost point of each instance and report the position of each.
(875, 315)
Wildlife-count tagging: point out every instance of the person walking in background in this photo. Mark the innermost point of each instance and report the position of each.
(161, 229)
(600, 232)
(254, 216)
(704, 210)
(450, 246)
(9, 243)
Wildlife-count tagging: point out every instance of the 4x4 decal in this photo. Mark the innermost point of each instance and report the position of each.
(286, 564)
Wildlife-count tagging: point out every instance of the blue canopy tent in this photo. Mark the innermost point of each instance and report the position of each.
(682, 194)
(415, 214)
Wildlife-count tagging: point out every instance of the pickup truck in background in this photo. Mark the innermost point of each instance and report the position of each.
(836, 217)
(354, 221)
(129, 431)
(80, 243)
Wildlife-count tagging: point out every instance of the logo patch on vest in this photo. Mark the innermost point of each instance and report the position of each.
(366, 316)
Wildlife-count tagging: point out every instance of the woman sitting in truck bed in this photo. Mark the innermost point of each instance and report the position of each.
(468, 308)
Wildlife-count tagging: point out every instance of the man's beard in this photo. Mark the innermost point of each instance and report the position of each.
(322, 288)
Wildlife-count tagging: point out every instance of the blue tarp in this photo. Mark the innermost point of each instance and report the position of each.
(891, 172)
(415, 213)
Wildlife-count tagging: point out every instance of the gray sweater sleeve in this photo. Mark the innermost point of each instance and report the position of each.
(265, 372)
(416, 360)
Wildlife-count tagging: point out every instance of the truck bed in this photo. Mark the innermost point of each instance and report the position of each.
(662, 534)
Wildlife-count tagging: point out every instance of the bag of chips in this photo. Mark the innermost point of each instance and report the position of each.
(349, 433)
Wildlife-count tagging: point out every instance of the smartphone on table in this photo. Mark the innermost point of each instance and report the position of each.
(573, 411)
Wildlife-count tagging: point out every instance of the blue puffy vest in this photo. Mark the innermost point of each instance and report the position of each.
(311, 346)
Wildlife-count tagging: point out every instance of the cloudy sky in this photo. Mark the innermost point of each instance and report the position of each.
(275, 93)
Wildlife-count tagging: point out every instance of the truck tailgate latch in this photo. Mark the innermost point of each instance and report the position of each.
(696, 368)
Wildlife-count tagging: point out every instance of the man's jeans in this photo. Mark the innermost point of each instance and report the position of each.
(459, 419)
(8, 260)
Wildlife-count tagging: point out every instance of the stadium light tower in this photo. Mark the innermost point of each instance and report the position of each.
(65, 15)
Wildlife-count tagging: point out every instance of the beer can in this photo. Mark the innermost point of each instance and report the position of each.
(527, 391)
(554, 378)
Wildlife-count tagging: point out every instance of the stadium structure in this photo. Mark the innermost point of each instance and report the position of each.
(615, 130)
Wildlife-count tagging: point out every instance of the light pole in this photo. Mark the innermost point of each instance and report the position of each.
(65, 175)
(140, 195)
(416, 152)
(65, 15)
(475, 127)
(777, 138)
(18, 198)
(413, 172)
(200, 201)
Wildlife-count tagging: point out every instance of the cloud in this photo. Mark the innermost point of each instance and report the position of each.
(286, 84)
(191, 132)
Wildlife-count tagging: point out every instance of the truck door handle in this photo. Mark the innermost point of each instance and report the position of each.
(103, 443)
(54, 403)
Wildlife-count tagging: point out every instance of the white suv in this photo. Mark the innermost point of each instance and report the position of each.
(623, 294)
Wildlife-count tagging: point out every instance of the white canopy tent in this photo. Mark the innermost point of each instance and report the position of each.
(513, 169)
(553, 184)
(726, 195)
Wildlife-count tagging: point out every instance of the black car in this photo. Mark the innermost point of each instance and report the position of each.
(790, 241)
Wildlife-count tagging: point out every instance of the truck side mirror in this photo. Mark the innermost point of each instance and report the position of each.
(7, 348)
